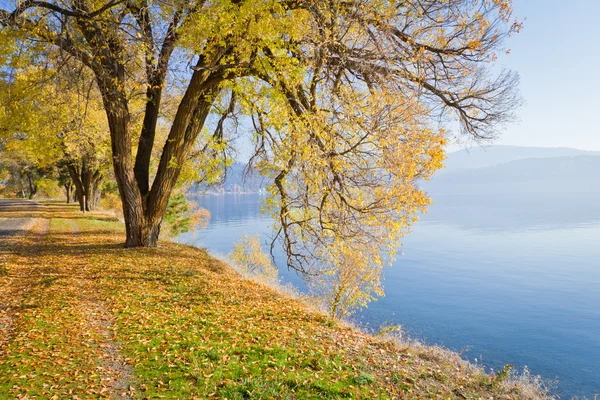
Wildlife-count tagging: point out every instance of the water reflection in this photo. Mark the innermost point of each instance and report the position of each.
(514, 211)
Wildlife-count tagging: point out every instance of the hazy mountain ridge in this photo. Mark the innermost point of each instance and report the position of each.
(574, 171)
(481, 157)
(495, 168)
(236, 181)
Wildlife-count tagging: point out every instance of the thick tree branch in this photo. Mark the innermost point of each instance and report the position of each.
(24, 6)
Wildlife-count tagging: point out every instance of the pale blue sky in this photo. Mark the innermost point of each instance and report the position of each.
(557, 55)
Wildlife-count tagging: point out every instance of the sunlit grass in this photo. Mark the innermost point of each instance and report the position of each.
(88, 318)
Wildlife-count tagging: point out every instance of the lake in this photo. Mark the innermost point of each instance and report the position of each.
(505, 279)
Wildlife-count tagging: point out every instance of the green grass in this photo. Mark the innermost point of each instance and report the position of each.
(91, 319)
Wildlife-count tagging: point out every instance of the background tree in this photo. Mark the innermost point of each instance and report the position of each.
(64, 180)
(20, 176)
(58, 120)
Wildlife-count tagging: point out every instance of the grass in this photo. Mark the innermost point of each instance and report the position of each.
(82, 317)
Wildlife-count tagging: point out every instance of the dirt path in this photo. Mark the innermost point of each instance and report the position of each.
(54, 314)
(10, 225)
(117, 375)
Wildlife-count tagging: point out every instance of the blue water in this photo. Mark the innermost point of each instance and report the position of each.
(505, 279)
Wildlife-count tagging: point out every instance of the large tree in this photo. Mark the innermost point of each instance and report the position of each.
(348, 100)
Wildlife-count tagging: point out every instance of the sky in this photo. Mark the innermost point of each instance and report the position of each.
(557, 55)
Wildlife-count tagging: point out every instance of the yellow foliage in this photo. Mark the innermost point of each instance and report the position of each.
(348, 101)
(112, 202)
(349, 284)
(249, 257)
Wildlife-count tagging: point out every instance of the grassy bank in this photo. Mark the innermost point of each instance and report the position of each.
(81, 317)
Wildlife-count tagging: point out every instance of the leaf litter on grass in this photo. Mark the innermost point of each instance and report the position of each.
(91, 319)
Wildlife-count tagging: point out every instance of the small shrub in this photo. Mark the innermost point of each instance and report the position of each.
(528, 386)
(502, 375)
(348, 284)
(184, 216)
(250, 258)
(390, 331)
(3, 270)
(112, 202)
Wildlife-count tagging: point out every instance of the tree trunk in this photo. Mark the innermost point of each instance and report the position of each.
(90, 181)
(119, 121)
(79, 191)
(32, 185)
(143, 209)
(92, 190)
(87, 185)
(68, 190)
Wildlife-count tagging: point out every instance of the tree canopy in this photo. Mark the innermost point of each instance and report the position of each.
(350, 103)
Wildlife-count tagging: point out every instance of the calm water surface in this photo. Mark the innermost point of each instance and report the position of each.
(505, 279)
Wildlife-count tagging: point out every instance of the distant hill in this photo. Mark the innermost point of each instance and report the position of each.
(568, 174)
(479, 157)
(236, 181)
(493, 169)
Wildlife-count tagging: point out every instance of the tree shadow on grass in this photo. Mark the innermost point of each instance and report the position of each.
(47, 211)
(92, 248)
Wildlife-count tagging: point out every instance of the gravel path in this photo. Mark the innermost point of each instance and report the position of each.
(11, 226)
